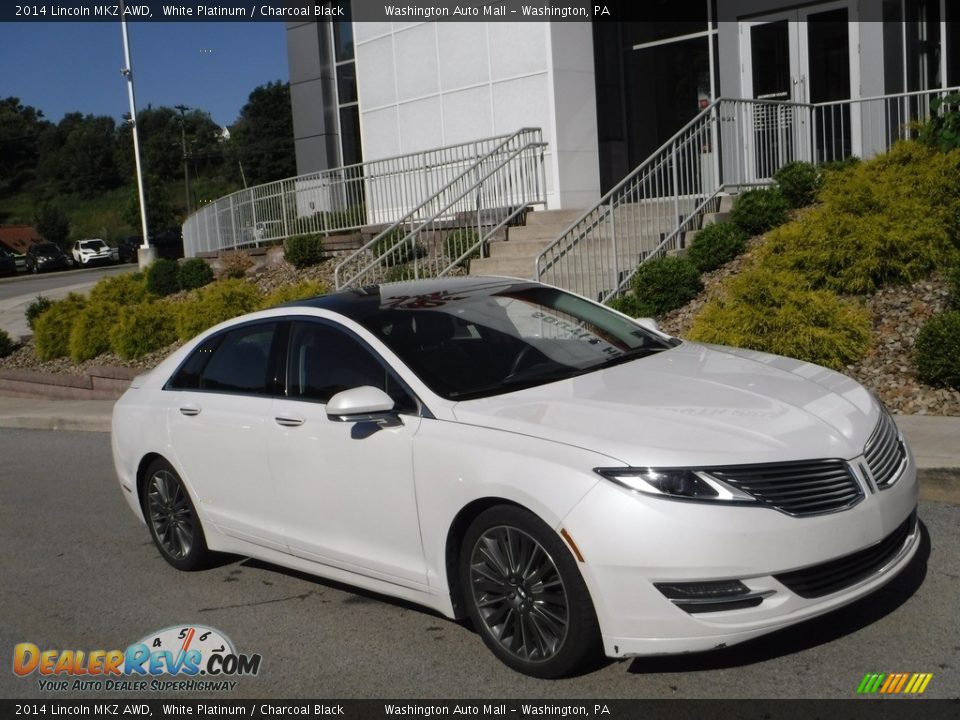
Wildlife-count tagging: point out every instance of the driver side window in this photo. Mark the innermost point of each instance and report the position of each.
(322, 361)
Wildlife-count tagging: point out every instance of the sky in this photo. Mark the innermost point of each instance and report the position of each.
(75, 67)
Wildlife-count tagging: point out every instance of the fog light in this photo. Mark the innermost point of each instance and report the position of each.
(703, 597)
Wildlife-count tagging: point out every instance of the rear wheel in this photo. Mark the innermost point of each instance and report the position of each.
(172, 518)
(525, 595)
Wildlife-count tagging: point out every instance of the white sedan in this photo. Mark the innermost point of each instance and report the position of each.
(569, 479)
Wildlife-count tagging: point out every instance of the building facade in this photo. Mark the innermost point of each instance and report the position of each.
(605, 94)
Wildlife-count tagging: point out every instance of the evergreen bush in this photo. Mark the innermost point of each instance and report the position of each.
(194, 273)
(757, 211)
(142, 329)
(664, 284)
(937, 352)
(304, 250)
(162, 277)
(716, 245)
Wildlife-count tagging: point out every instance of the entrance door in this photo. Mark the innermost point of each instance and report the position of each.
(799, 63)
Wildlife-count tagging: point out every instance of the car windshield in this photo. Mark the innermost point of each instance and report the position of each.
(44, 248)
(92, 244)
(493, 340)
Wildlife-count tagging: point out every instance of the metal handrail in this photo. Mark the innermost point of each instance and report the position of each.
(732, 143)
(483, 199)
(600, 270)
(340, 200)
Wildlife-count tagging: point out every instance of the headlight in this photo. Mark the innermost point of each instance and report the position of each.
(675, 483)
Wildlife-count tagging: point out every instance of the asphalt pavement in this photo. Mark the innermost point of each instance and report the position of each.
(80, 572)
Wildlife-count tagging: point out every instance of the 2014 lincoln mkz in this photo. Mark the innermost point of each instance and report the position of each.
(571, 480)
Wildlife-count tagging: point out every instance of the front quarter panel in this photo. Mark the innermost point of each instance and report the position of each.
(458, 464)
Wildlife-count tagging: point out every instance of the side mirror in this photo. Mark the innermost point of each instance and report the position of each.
(649, 323)
(361, 404)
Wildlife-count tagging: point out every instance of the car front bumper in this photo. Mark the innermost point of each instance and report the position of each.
(640, 541)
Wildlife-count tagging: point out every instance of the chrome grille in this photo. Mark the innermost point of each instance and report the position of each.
(807, 487)
(884, 452)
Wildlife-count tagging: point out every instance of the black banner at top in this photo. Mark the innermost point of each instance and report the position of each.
(294, 11)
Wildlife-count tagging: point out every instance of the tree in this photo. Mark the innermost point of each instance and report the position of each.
(262, 137)
(52, 223)
(78, 155)
(161, 212)
(20, 129)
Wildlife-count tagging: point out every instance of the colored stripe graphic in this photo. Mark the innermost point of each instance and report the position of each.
(894, 683)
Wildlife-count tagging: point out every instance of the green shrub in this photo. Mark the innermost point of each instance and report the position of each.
(393, 249)
(213, 304)
(776, 312)
(937, 354)
(298, 291)
(162, 277)
(798, 182)
(304, 250)
(90, 335)
(716, 245)
(458, 242)
(664, 284)
(757, 211)
(953, 279)
(626, 304)
(6, 344)
(194, 273)
(868, 230)
(127, 289)
(142, 329)
(36, 308)
(839, 166)
(52, 329)
(942, 130)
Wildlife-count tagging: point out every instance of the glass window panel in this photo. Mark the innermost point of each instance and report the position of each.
(346, 83)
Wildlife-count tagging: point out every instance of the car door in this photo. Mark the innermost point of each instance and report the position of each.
(347, 488)
(217, 424)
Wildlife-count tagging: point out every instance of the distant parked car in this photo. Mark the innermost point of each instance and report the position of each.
(92, 252)
(44, 256)
(127, 249)
(8, 266)
(167, 243)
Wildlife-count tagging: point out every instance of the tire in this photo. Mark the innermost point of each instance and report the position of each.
(172, 519)
(525, 595)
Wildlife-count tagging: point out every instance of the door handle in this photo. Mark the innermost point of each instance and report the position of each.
(190, 410)
(289, 421)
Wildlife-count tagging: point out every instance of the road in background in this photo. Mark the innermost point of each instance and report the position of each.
(18, 292)
(80, 572)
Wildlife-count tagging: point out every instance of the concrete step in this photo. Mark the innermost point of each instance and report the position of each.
(553, 217)
(713, 218)
(518, 248)
(535, 232)
(726, 202)
(511, 267)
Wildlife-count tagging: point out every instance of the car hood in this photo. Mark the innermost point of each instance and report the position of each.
(692, 405)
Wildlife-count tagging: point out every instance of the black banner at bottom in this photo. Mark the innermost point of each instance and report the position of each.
(896, 709)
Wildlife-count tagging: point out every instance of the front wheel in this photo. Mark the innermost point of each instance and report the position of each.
(525, 595)
(172, 519)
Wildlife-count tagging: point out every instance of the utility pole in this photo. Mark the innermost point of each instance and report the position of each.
(183, 142)
(146, 254)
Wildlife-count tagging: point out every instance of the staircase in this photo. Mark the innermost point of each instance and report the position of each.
(515, 257)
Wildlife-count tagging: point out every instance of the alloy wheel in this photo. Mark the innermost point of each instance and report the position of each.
(170, 514)
(519, 594)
